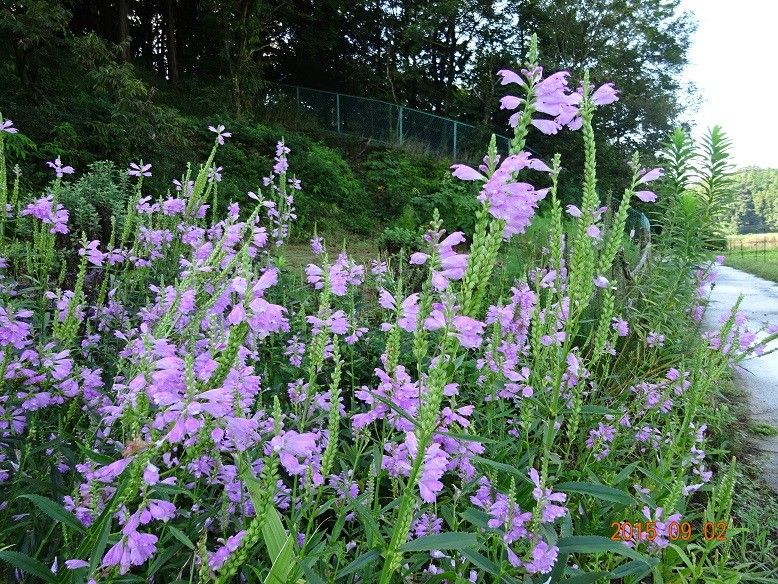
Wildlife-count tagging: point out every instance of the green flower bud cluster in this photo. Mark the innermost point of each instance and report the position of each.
(333, 426)
(262, 504)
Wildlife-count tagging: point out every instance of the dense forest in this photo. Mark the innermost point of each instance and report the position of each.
(130, 79)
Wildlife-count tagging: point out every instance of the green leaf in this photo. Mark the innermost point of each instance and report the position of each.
(311, 577)
(368, 522)
(503, 467)
(632, 568)
(597, 491)
(586, 578)
(451, 540)
(27, 564)
(595, 544)
(481, 562)
(181, 536)
(273, 533)
(54, 510)
(466, 437)
(598, 410)
(476, 517)
(486, 565)
(282, 564)
(366, 559)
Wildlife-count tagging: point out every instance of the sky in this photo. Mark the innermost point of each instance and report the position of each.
(734, 64)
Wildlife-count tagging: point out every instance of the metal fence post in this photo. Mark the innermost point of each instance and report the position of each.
(400, 124)
(337, 111)
(455, 140)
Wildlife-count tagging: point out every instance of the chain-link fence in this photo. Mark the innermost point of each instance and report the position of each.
(385, 122)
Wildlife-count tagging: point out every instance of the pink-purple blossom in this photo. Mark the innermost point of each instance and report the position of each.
(59, 169)
(220, 132)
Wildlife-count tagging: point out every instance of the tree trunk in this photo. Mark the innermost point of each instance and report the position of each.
(172, 53)
(147, 33)
(124, 29)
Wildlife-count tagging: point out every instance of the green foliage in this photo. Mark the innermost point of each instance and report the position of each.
(755, 207)
(457, 201)
(762, 264)
(95, 198)
(393, 239)
(715, 191)
(395, 180)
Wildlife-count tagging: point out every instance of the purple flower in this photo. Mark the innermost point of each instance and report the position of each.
(93, 255)
(418, 258)
(157, 509)
(469, 331)
(510, 102)
(654, 339)
(509, 76)
(188, 188)
(7, 127)
(548, 127)
(646, 196)
(409, 313)
(13, 330)
(317, 245)
(650, 175)
(42, 209)
(139, 169)
(133, 549)
(215, 174)
(573, 211)
(59, 169)
(513, 202)
(601, 282)
(434, 465)
(552, 97)
(426, 524)
(151, 474)
(294, 450)
(386, 300)
(605, 94)
(546, 498)
(216, 559)
(543, 558)
(75, 564)
(220, 133)
(620, 326)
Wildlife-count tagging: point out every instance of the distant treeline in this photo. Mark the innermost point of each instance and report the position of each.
(756, 200)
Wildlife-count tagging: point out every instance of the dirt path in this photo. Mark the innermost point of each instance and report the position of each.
(758, 376)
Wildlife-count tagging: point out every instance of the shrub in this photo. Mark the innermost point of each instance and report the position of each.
(393, 239)
(96, 198)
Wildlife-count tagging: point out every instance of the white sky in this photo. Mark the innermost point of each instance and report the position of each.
(734, 64)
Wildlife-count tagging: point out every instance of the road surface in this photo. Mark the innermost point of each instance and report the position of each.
(757, 376)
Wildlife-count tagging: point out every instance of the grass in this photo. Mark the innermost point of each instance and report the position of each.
(764, 429)
(755, 505)
(298, 254)
(761, 263)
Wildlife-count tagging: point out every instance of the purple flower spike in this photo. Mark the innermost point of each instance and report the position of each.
(139, 169)
(59, 169)
(7, 126)
(220, 133)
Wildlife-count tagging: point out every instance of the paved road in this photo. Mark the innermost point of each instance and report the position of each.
(758, 376)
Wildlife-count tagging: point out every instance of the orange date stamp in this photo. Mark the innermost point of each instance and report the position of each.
(674, 531)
